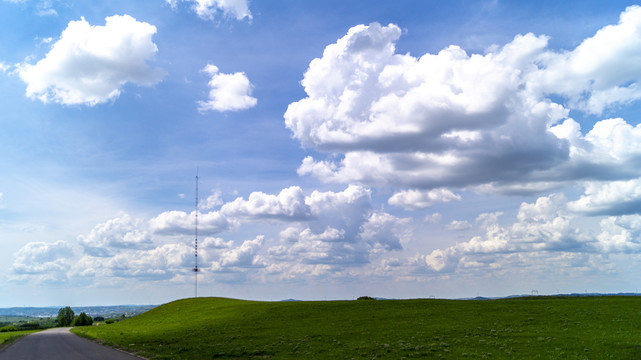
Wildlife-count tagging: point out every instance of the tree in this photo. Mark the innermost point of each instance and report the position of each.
(65, 316)
(82, 320)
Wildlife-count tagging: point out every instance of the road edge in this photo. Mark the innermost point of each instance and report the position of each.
(104, 343)
(5, 345)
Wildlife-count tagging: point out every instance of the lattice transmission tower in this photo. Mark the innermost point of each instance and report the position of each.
(195, 269)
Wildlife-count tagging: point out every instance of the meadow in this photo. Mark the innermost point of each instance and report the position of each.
(534, 327)
(8, 337)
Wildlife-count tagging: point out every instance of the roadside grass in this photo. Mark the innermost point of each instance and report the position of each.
(537, 327)
(7, 338)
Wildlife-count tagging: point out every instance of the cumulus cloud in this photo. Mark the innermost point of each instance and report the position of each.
(244, 256)
(601, 71)
(609, 198)
(497, 121)
(44, 262)
(458, 225)
(116, 234)
(607, 152)
(343, 233)
(159, 263)
(289, 204)
(418, 199)
(346, 210)
(386, 231)
(181, 223)
(90, 64)
(212, 201)
(329, 247)
(228, 92)
(620, 234)
(434, 218)
(543, 226)
(209, 9)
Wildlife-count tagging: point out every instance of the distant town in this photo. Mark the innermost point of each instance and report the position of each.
(104, 311)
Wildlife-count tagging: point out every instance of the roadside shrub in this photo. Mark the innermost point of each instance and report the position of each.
(29, 326)
(98, 318)
(82, 320)
(8, 328)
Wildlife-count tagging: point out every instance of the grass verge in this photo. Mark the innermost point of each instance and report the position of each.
(6, 338)
(541, 327)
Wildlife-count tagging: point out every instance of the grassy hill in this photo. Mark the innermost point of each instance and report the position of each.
(541, 327)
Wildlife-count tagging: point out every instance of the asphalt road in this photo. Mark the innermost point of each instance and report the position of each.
(60, 344)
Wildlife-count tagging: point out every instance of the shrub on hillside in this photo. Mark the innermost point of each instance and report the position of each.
(29, 326)
(110, 321)
(98, 318)
(82, 320)
(8, 328)
(365, 298)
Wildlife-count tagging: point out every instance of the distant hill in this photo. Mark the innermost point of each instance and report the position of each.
(106, 311)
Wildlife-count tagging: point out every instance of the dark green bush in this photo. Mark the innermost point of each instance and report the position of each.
(365, 298)
(98, 318)
(8, 328)
(110, 321)
(29, 326)
(82, 320)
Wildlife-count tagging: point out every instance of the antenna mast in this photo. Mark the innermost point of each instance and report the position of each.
(196, 241)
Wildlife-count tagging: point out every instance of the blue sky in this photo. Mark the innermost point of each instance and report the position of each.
(344, 148)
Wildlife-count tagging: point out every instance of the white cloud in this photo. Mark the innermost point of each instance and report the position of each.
(115, 235)
(345, 210)
(458, 225)
(601, 71)
(215, 243)
(386, 231)
(620, 234)
(343, 233)
(420, 199)
(160, 263)
(330, 247)
(45, 8)
(543, 226)
(208, 9)
(434, 218)
(89, 64)
(181, 223)
(43, 262)
(607, 152)
(289, 204)
(244, 256)
(228, 92)
(212, 201)
(496, 121)
(609, 198)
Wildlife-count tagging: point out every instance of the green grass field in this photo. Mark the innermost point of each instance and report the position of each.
(8, 337)
(541, 327)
